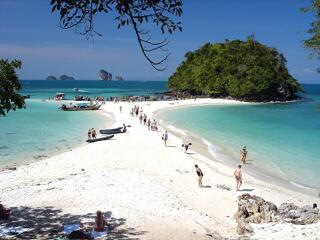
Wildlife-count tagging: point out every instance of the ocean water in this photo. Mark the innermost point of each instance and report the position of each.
(45, 89)
(281, 138)
(42, 130)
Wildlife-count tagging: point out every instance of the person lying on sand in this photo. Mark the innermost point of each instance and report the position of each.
(238, 176)
(100, 222)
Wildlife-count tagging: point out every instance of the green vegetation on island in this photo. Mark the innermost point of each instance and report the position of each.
(244, 70)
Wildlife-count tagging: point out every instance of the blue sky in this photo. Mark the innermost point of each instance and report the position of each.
(30, 32)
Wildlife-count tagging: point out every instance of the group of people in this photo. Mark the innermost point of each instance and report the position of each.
(143, 119)
(92, 134)
(237, 174)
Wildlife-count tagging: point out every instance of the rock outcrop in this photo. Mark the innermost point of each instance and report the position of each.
(66, 77)
(51, 77)
(254, 209)
(104, 75)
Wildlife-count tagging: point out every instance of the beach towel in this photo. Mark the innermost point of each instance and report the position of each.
(67, 229)
(11, 231)
(99, 235)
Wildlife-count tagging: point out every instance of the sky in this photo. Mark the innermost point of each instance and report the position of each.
(30, 32)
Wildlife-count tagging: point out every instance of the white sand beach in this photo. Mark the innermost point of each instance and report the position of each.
(151, 190)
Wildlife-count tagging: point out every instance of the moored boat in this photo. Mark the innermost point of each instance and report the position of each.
(80, 107)
(100, 139)
(113, 131)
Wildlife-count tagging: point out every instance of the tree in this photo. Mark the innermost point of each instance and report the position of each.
(80, 14)
(9, 87)
(245, 70)
(313, 43)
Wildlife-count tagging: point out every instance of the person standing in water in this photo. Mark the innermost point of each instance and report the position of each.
(165, 137)
(244, 154)
(238, 176)
(200, 175)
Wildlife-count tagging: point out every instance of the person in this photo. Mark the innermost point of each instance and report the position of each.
(244, 154)
(165, 137)
(140, 118)
(4, 212)
(200, 175)
(120, 108)
(149, 124)
(93, 134)
(100, 222)
(124, 128)
(89, 133)
(238, 176)
(155, 127)
(186, 147)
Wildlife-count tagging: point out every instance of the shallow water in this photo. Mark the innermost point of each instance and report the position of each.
(282, 138)
(42, 129)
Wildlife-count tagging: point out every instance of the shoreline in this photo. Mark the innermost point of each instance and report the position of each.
(202, 145)
(152, 187)
(9, 166)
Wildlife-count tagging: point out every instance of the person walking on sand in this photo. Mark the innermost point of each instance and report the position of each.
(244, 154)
(165, 137)
(200, 175)
(89, 133)
(120, 108)
(238, 176)
(149, 124)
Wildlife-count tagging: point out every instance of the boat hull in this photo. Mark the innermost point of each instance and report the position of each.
(100, 139)
(112, 131)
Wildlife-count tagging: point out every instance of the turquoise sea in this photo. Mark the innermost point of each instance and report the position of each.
(42, 130)
(281, 138)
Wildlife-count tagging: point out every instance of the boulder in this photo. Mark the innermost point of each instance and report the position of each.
(254, 209)
(243, 228)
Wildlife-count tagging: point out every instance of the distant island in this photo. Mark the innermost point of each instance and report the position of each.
(62, 77)
(242, 70)
(107, 76)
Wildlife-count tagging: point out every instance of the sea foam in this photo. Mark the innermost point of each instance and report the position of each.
(177, 130)
(213, 150)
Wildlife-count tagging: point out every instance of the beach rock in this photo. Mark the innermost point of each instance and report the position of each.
(243, 228)
(254, 209)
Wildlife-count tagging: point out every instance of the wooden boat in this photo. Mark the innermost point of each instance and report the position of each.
(100, 139)
(80, 107)
(113, 131)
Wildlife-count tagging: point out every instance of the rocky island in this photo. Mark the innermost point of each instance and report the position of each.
(62, 77)
(104, 75)
(51, 77)
(241, 70)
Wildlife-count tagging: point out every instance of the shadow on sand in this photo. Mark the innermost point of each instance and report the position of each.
(47, 223)
(247, 190)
